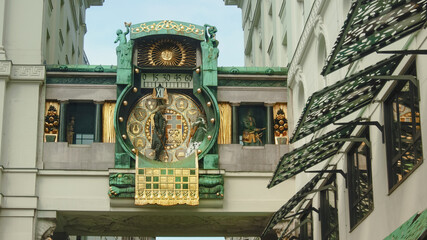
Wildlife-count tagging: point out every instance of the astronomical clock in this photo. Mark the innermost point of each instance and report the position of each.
(166, 116)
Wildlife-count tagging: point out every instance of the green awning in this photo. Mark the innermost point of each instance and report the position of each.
(342, 98)
(310, 154)
(292, 203)
(373, 24)
(414, 228)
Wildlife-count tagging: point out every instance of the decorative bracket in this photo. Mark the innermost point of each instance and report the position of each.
(366, 123)
(331, 171)
(404, 52)
(411, 78)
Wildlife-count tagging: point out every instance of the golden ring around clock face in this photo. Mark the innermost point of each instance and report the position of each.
(181, 111)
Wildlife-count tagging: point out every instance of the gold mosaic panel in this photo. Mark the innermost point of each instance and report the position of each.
(167, 186)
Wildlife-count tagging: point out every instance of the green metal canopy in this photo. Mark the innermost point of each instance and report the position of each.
(414, 228)
(342, 98)
(310, 154)
(292, 203)
(373, 24)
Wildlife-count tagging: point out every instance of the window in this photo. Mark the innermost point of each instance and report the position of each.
(306, 224)
(359, 181)
(329, 210)
(403, 131)
(80, 123)
(252, 125)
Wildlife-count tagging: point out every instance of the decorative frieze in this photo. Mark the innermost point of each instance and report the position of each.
(5, 68)
(304, 40)
(28, 72)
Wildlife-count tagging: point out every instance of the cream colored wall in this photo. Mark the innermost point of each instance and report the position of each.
(66, 18)
(269, 29)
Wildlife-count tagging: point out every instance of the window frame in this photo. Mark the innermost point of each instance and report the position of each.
(354, 181)
(391, 156)
(304, 231)
(324, 210)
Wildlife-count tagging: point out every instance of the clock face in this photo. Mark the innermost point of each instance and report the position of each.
(180, 114)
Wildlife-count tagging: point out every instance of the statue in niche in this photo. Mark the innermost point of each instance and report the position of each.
(251, 134)
(70, 130)
(197, 134)
(281, 127)
(212, 47)
(124, 50)
(158, 143)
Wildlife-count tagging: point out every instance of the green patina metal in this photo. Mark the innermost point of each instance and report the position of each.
(251, 83)
(129, 93)
(414, 228)
(342, 98)
(310, 154)
(210, 55)
(292, 203)
(253, 70)
(122, 185)
(81, 80)
(167, 27)
(81, 68)
(124, 57)
(373, 24)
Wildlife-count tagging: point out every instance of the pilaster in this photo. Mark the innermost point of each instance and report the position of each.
(5, 70)
(62, 134)
(98, 121)
(269, 119)
(2, 17)
(235, 123)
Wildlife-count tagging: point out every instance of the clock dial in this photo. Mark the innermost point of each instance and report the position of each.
(181, 113)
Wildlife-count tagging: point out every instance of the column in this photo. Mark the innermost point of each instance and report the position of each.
(62, 135)
(5, 70)
(98, 121)
(235, 123)
(269, 133)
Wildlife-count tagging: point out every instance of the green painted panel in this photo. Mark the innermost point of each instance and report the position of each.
(342, 98)
(414, 228)
(374, 24)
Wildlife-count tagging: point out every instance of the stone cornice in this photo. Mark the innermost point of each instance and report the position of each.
(304, 39)
(28, 73)
(5, 68)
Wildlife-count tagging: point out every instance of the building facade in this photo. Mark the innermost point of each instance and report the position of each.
(70, 167)
(371, 184)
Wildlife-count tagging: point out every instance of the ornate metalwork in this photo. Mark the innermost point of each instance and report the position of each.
(309, 155)
(373, 24)
(344, 97)
(167, 186)
(291, 203)
(182, 112)
(166, 52)
(167, 25)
